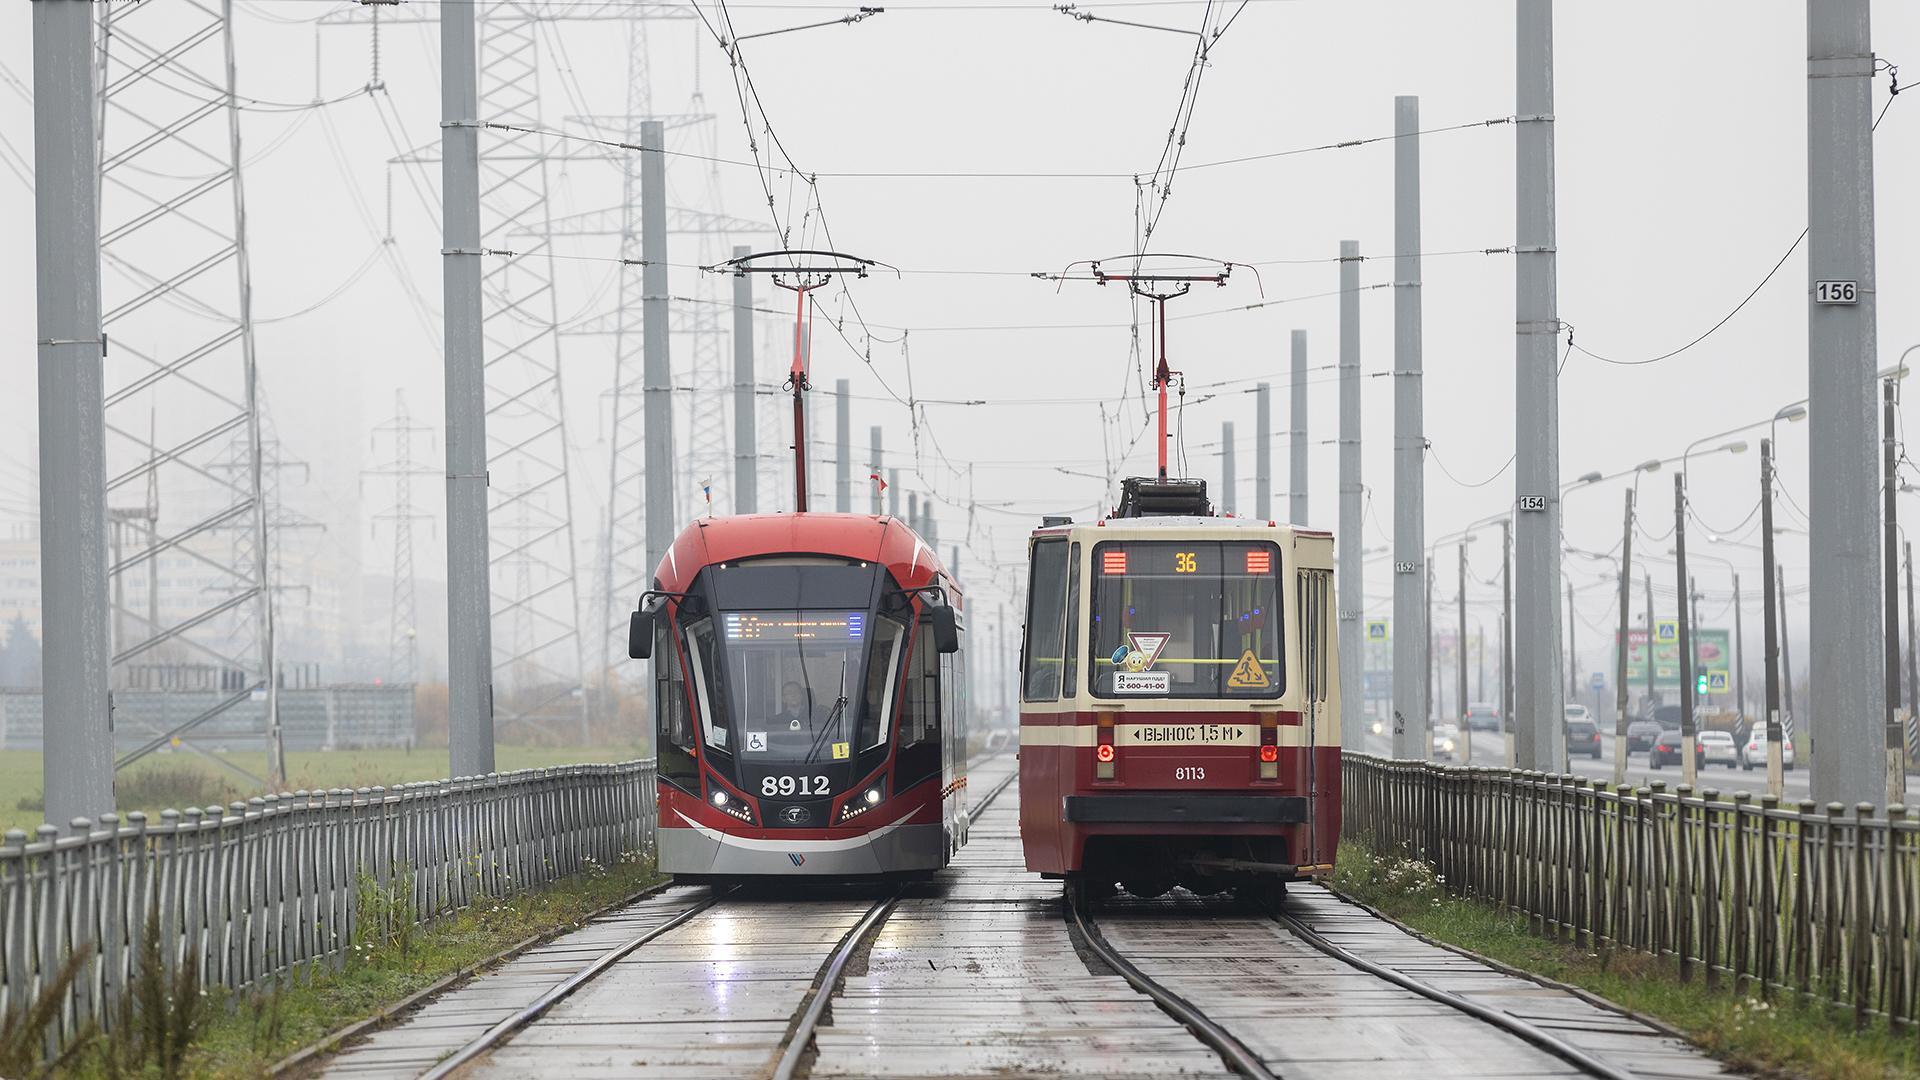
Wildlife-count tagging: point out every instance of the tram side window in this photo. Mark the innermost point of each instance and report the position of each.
(1046, 598)
(1070, 677)
(673, 721)
(920, 722)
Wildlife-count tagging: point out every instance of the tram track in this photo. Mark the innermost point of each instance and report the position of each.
(1505, 1021)
(1244, 1060)
(807, 1018)
(1239, 1057)
(793, 1057)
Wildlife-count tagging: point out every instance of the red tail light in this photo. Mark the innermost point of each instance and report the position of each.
(1269, 746)
(1103, 752)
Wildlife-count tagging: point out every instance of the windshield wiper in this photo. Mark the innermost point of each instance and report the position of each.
(826, 728)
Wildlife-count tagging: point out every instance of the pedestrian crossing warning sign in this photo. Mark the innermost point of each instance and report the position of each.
(1248, 674)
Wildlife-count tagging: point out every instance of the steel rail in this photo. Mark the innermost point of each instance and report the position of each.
(499, 1032)
(816, 1007)
(1505, 1021)
(835, 970)
(1238, 1056)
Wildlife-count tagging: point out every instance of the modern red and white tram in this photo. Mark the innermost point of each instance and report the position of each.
(1180, 711)
(810, 698)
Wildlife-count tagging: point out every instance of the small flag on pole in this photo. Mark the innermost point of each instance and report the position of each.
(706, 489)
(875, 477)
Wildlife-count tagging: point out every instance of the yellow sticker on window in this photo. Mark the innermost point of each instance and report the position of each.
(1248, 674)
(841, 751)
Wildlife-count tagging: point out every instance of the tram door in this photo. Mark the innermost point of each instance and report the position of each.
(1315, 602)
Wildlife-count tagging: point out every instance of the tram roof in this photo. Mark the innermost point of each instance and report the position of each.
(865, 537)
(1173, 523)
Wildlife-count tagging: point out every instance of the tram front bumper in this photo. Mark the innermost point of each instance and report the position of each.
(707, 851)
(1160, 809)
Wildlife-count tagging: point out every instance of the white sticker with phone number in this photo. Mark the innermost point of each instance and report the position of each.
(1143, 682)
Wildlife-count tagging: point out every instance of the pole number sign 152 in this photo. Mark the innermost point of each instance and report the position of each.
(1836, 292)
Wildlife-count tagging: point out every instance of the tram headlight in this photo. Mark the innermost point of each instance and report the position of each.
(720, 799)
(872, 796)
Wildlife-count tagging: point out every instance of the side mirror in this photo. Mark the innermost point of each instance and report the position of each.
(946, 629)
(640, 635)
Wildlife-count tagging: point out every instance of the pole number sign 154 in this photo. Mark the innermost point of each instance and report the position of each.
(1836, 292)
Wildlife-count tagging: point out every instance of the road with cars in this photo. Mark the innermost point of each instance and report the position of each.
(1489, 748)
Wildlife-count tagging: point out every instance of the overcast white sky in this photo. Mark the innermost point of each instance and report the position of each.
(1681, 180)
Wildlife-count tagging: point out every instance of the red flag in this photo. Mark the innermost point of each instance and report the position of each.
(875, 477)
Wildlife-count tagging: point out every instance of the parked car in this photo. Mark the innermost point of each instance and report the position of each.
(1717, 747)
(1666, 750)
(1445, 739)
(1642, 733)
(1482, 716)
(1753, 752)
(1583, 737)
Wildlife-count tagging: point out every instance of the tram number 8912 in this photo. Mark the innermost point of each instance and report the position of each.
(793, 785)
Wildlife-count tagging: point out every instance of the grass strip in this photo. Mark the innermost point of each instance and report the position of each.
(1786, 1036)
(253, 1032)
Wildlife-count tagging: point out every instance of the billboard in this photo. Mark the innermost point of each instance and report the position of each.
(1712, 650)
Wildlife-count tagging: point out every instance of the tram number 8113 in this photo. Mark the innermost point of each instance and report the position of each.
(793, 785)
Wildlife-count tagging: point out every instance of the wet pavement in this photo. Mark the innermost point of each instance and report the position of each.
(975, 975)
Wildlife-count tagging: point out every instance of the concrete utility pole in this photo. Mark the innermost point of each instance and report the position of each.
(1647, 580)
(1410, 706)
(1506, 638)
(469, 595)
(1352, 584)
(1689, 769)
(873, 438)
(1913, 653)
(893, 493)
(1460, 653)
(1786, 660)
(1263, 452)
(77, 769)
(1773, 627)
(1913, 648)
(1229, 483)
(1297, 435)
(746, 457)
(1540, 739)
(658, 365)
(1620, 650)
(1846, 635)
(1896, 764)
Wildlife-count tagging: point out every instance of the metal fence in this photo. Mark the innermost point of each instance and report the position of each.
(262, 887)
(1819, 900)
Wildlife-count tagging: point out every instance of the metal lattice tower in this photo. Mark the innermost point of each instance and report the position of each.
(180, 373)
(536, 610)
(403, 647)
(623, 571)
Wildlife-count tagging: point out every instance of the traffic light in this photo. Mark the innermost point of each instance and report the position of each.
(1700, 685)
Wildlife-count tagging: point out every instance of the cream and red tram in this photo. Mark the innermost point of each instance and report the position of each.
(1180, 714)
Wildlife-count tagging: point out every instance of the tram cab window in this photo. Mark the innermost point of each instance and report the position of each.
(1185, 619)
(920, 720)
(673, 720)
(1044, 661)
(715, 727)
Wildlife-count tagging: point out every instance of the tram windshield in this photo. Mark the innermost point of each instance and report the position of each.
(1186, 619)
(798, 686)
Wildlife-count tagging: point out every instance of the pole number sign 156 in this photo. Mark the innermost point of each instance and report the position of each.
(1836, 292)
